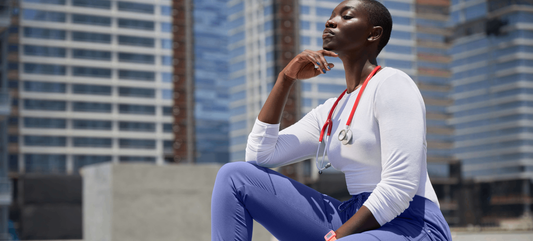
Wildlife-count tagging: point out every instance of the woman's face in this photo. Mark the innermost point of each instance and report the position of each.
(348, 28)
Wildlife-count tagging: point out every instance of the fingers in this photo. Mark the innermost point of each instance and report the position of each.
(319, 60)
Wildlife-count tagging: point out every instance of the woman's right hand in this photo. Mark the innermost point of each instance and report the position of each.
(308, 64)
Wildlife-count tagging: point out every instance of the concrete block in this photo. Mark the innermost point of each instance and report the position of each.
(138, 201)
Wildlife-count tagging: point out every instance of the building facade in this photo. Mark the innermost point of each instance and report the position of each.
(492, 70)
(91, 82)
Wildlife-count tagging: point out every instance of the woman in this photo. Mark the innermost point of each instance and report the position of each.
(384, 161)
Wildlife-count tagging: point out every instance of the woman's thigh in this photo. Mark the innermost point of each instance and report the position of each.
(285, 207)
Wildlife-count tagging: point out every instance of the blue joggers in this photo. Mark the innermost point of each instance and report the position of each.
(292, 211)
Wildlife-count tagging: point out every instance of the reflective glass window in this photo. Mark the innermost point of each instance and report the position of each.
(12, 48)
(45, 51)
(49, 105)
(136, 75)
(305, 25)
(323, 11)
(52, 123)
(84, 160)
(91, 89)
(12, 139)
(45, 163)
(167, 127)
(166, 27)
(92, 142)
(167, 110)
(136, 7)
(13, 163)
(44, 33)
(397, 5)
(13, 121)
(91, 72)
(136, 41)
(79, 106)
(91, 124)
(166, 43)
(137, 109)
(137, 143)
(47, 87)
(136, 92)
(102, 4)
(401, 20)
(58, 2)
(166, 60)
(91, 54)
(39, 15)
(166, 77)
(236, 8)
(91, 20)
(167, 94)
(91, 37)
(136, 126)
(135, 24)
(136, 58)
(166, 10)
(12, 66)
(45, 141)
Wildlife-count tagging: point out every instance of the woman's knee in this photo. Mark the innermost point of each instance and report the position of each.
(234, 169)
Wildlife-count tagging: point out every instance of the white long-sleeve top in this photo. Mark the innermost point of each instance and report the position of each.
(387, 155)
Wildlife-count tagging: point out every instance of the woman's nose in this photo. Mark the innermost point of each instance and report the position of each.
(330, 23)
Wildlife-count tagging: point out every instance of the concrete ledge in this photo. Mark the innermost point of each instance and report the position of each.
(139, 202)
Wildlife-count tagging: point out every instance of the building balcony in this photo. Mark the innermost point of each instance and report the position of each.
(5, 102)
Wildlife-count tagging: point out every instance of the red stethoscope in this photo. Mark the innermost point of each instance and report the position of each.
(345, 136)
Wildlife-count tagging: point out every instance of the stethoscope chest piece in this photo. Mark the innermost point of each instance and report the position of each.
(345, 136)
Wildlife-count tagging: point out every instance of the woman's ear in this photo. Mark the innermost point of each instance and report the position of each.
(376, 33)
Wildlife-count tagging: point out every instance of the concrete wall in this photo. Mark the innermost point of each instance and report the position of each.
(136, 201)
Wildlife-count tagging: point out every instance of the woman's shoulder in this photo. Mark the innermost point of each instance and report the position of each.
(394, 79)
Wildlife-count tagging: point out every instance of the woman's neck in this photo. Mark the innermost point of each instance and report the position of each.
(356, 70)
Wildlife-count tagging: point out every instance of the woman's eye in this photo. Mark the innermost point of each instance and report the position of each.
(347, 17)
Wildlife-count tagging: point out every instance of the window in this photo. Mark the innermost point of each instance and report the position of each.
(47, 69)
(58, 2)
(13, 84)
(168, 145)
(91, 124)
(136, 159)
(12, 66)
(136, 41)
(136, 126)
(44, 33)
(13, 163)
(136, 7)
(91, 37)
(92, 142)
(45, 51)
(137, 109)
(13, 121)
(45, 163)
(12, 139)
(135, 24)
(166, 77)
(102, 4)
(91, 72)
(91, 54)
(136, 58)
(166, 60)
(84, 160)
(136, 92)
(48, 105)
(45, 141)
(47, 87)
(12, 48)
(91, 20)
(91, 89)
(136, 143)
(38, 15)
(166, 10)
(167, 110)
(167, 127)
(167, 94)
(166, 27)
(48, 123)
(91, 107)
(166, 43)
(136, 75)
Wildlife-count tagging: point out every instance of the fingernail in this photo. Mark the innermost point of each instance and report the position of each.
(324, 70)
(329, 68)
(318, 63)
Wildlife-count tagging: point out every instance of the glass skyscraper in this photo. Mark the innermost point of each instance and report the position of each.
(92, 82)
(492, 92)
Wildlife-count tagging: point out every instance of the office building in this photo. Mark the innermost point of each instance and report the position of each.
(91, 82)
(492, 115)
